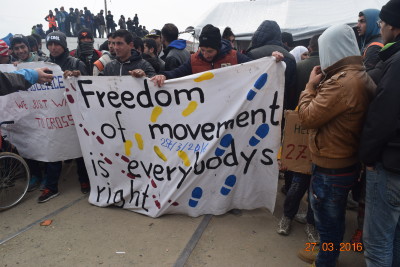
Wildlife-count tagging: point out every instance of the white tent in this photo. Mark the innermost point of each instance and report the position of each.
(302, 18)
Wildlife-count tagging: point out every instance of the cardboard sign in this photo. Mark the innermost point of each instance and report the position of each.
(295, 152)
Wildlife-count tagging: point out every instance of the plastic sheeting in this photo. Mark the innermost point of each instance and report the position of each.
(302, 18)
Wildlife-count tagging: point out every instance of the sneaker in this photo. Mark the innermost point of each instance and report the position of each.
(284, 226)
(34, 183)
(357, 238)
(301, 218)
(47, 195)
(308, 256)
(312, 233)
(85, 188)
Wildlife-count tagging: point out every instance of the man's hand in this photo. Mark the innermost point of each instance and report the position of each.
(158, 80)
(44, 77)
(315, 76)
(137, 73)
(278, 56)
(70, 73)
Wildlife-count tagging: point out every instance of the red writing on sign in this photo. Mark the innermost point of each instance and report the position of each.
(296, 151)
(55, 122)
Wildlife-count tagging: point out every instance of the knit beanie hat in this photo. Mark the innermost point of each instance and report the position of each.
(390, 13)
(210, 37)
(3, 48)
(17, 39)
(58, 38)
(85, 33)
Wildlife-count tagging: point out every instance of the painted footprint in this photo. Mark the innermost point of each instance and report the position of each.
(159, 153)
(139, 140)
(197, 193)
(225, 142)
(157, 110)
(128, 145)
(190, 109)
(184, 157)
(261, 132)
(261, 81)
(229, 184)
(204, 77)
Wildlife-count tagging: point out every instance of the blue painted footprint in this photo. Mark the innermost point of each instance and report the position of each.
(197, 193)
(261, 132)
(261, 81)
(226, 141)
(229, 183)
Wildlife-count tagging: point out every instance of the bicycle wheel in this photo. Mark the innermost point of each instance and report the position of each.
(14, 179)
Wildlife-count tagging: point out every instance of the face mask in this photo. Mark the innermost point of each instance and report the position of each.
(86, 49)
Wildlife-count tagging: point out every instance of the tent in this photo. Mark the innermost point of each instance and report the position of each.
(302, 18)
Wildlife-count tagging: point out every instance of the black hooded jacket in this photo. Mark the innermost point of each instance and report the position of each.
(382, 125)
(67, 62)
(118, 68)
(267, 39)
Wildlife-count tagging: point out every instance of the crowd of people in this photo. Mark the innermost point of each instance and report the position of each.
(70, 23)
(346, 91)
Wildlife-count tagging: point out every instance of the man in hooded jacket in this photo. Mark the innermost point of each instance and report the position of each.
(334, 105)
(371, 42)
(379, 149)
(267, 39)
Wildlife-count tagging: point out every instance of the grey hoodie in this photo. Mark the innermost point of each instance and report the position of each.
(336, 43)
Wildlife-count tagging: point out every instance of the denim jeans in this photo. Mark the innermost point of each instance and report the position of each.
(299, 185)
(53, 171)
(382, 223)
(328, 197)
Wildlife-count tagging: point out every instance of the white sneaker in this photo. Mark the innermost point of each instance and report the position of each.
(284, 226)
(301, 218)
(312, 233)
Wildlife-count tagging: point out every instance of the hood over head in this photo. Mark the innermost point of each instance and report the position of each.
(336, 43)
(371, 17)
(268, 33)
(298, 51)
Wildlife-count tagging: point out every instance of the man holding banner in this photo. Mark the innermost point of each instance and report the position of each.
(214, 53)
(56, 43)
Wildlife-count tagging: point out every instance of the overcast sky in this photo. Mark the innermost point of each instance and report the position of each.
(21, 15)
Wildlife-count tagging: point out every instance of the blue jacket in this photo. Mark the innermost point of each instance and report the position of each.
(17, 80)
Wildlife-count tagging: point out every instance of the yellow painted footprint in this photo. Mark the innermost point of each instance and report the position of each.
(139, 140)
(128, 145)
(204, 77)
(190, 108)
(157, 110)
(184, 157)
(159, 153)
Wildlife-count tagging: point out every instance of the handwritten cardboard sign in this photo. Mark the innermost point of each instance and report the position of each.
(295, 152)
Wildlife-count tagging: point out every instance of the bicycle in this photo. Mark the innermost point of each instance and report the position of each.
(14, 174)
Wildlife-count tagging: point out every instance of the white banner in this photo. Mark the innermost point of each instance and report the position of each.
(201, 144)
(44, 129)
